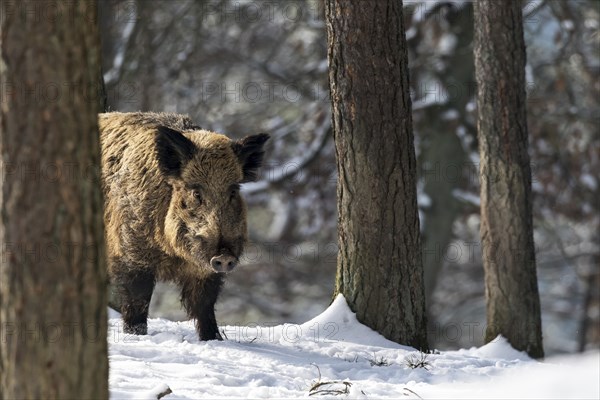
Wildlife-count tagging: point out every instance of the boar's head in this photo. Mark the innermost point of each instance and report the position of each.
(206, 219)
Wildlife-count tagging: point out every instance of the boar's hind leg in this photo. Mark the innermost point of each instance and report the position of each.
(199, 297)
(135, 289)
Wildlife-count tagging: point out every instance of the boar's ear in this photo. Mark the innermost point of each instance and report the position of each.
(173, 150)
(250, 152)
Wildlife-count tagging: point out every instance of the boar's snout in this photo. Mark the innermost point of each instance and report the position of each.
(223, 263)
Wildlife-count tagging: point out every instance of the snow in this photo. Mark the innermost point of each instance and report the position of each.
(423, 199)
(447, 44)
(332, 351)
(467, 197)
(450, 115)
(589, 181)
(568, 25)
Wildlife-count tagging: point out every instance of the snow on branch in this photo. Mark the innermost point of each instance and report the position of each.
(113, 75)
(291, 167)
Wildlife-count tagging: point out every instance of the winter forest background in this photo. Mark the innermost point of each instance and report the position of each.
(242, 67)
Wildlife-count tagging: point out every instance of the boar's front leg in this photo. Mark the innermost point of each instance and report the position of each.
(199, 297)
(135, 288)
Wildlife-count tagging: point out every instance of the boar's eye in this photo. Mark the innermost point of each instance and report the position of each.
(197, 195)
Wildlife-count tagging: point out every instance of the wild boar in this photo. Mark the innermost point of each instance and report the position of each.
(173, 210)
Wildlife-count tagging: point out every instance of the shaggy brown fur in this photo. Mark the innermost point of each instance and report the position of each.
(173, 210)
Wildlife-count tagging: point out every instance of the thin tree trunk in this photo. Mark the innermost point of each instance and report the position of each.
(513, 305)
(52, 272)
(380, 270)
(442, 155)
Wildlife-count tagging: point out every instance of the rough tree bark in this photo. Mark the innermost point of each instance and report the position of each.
(380, 269)
(513, 305)
(52, 272)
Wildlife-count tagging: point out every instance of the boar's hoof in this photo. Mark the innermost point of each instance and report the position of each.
(210, 334)
(217, 336)
(223, 263)
(136, 329)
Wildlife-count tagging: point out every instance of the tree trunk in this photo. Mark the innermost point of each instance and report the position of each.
(513, 305)
(380, 270)
(442, 157)
(52, 274)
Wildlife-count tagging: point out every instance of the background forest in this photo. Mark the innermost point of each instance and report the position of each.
(242, 67)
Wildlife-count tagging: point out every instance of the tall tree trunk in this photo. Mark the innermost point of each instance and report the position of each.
(52, 273)
(513, 304)
(442, 155)
(380, 270)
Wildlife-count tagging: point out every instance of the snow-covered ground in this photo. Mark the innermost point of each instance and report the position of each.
(330, 356)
